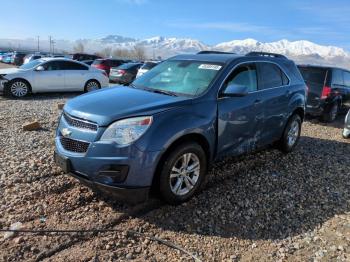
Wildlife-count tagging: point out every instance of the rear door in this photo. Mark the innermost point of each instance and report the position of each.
(51, 79)
(240, 119)
(274, 94)
(315, 78)
(76, 76)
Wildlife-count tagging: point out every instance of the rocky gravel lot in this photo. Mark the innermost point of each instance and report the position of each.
(262, 207)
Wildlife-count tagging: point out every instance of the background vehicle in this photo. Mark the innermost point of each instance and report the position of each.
(82, 56)
(18, 58)
(146, 67)
(7, 58)
(346, 132)
(329, 90)
(31, 57)
(108, 63)
(51, 75)
(124, 74)
(88, 62)
(167, 128)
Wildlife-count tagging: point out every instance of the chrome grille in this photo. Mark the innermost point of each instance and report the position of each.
(74, 145)
(79, 123)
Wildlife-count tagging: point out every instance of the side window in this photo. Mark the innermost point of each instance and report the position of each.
(271, 76)
(337, 77)
(347, 78)
(244, 75)
(73, 66)
(52, 66)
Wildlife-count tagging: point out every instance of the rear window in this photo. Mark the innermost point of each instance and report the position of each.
(99, 62)
(115, 63)
(148, 65)
(128, 66)
(313, 75)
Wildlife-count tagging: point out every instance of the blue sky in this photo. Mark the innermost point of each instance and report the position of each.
(323, 22)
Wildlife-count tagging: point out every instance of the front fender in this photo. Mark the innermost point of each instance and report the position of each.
(171, 125)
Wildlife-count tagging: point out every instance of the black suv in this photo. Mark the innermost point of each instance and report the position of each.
(329, 90)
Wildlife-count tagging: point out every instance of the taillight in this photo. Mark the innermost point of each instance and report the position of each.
(122, 72)
(326, 91)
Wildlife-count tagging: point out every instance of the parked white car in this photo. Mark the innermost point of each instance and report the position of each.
(51, 75)
(146, 67)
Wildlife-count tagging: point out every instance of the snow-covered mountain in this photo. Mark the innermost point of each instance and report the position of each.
(302, 51)
(297, 48)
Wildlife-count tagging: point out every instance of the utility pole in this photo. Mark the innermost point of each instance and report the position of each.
(53, 47)
(50, 42)
(38, 37)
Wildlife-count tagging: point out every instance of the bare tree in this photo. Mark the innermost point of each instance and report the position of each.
(106, 52)
(139, 52)
(79, 47)
(123, 53)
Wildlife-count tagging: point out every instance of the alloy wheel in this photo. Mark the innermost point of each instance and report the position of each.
(19, 89)
(293, 133)
(184, 174)
(92, 86)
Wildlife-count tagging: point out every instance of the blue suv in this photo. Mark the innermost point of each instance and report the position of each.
(165, 129)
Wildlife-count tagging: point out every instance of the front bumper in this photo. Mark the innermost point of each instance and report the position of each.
(131, 195)
(126, 172)
(3, 82)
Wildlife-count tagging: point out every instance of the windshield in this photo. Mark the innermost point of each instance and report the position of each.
(190, 78)
(31, 65)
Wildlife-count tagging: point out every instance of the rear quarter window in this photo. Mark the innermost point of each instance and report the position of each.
(337, 77)
(271, 76)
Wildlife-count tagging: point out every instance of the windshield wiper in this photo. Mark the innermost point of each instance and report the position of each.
(159, 91)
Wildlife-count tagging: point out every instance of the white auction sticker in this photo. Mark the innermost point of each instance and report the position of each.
(210, 67)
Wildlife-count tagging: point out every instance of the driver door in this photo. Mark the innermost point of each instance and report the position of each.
(240, 119)
(51, 79)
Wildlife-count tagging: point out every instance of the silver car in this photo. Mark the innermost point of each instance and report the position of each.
(51, 75)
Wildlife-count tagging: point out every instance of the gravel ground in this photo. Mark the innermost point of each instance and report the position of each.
(262, 207)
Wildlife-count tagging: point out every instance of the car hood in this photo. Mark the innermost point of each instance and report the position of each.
(110, 104)
(7, 71)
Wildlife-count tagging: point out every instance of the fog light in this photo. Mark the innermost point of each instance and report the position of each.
(113, 174)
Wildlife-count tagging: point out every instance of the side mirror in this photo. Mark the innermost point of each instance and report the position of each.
(40, 68)
(235, 91)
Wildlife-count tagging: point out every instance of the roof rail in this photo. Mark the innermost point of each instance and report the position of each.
(266, 54)
(205, 52)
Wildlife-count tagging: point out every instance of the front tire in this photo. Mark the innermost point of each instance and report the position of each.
(291, 134)
(91, 85)
(183, 173)
(17, 89)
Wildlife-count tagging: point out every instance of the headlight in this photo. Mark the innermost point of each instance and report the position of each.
(128, 130)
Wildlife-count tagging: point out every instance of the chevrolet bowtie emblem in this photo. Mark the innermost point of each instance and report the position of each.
(66, 132)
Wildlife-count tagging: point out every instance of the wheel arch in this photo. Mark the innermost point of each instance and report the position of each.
(192, 137)
(7, 91)
(89, 80)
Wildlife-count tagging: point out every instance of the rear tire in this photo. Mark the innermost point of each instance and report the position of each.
(183, 173)
(332, 114)
(91, 85)
(17, 88)
(291, 134)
